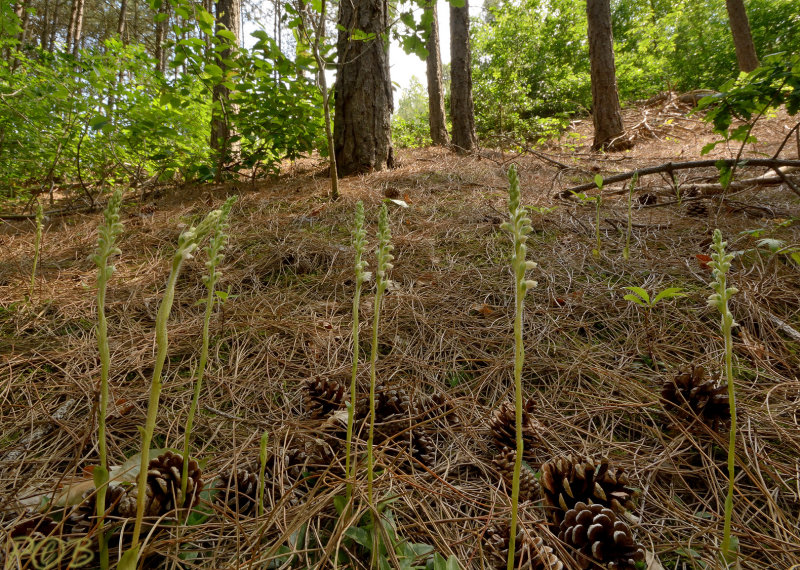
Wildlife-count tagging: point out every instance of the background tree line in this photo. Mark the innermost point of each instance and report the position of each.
(94, 94)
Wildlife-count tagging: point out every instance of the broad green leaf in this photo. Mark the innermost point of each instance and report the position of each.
(598, 180)
(452, 563)
(641, 292)
(669, 293)
(360, 536)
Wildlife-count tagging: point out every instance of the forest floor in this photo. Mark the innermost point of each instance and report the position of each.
(594, 368)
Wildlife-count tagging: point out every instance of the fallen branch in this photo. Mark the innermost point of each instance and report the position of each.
(670, 167)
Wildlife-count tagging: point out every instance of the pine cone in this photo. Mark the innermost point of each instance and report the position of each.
(529, 489)
(598, 535)
(322, 396)
(120, 503)
(698, 208)
(503, 426)
(422, 447)
(239, 491)
(570, 479)
(689, 396)
(438, 408)
(38, 526)
(306, 460)
(531, 553)
(164, 484)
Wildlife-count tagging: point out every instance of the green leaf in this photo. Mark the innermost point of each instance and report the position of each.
(360, 536)
(98, 122)
(709, 147)
(339, 503)
(598, 180)
(457, 3)
(639, 291)
(771, 243)
(669, 293)
(452, 563)
(129, 559)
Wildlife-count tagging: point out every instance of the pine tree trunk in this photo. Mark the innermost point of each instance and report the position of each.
(229, 16)
(161, 39)
(43, 33)
(435, 92)
(363, 93)
(742, 38)
(606, 111)
(123, 14)
(461, 108)
(75, 27)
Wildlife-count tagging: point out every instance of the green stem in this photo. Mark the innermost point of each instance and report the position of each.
(155, 393)
(262, 459)
(101, 478)
(727, 324)
(201, 366)
(373, 357)
(351, 476)
(519, 357)
(36, 244)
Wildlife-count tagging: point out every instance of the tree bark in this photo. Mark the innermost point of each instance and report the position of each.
(75, 31)
(742, 38)
(606, 112)
(229, 17)
(462, 110)
(433, 62)
(363, 92)
(123, 14)
(161, 39)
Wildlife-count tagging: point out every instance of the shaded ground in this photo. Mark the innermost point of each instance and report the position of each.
(595, 363)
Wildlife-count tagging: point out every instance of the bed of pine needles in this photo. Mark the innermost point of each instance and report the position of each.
(595, 363)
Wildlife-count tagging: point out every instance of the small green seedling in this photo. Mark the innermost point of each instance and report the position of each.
(642, 297)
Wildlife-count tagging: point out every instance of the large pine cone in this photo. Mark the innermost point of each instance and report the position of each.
(529, 489)
(322, 396)
(504, 431)
(239, 491)
(572, 479)
(598, 535)
(530, 552)
(690, 395)
(164, 484)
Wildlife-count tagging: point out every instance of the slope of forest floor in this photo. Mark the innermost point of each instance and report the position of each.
(595, 362)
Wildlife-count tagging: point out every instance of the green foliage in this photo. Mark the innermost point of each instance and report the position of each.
(775, 83)
(642, 298)
(410, 124)
(530, 57)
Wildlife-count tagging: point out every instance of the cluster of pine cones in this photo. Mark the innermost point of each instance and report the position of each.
(585, 500)
(398, 434)
(162, 497)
